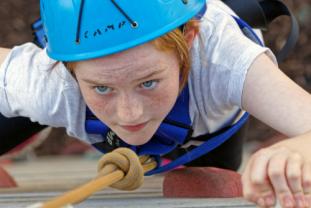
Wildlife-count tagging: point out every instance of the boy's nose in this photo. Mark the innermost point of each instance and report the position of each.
(129, 110)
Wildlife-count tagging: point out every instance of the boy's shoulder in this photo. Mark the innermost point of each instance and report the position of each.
(218, 20)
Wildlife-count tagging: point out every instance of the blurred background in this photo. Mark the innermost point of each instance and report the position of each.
(16, 17)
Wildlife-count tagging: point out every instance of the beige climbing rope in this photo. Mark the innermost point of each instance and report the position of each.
(121, 169)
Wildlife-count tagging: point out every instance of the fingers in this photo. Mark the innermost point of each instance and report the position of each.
(258, 175)
(306, 182)
(294, 177)
(255, 180)
(277, 173)
(248, 189)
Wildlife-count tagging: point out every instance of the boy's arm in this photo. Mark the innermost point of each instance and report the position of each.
(273, 98)
(3, 54)
(282, 170)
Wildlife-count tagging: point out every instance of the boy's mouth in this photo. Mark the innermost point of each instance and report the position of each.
(134, 128)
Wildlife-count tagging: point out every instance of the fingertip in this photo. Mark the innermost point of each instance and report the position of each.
(269, 200)
(261, 202)
(288, 201)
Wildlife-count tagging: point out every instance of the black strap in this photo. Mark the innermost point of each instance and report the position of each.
(273, 9)
(259, 13)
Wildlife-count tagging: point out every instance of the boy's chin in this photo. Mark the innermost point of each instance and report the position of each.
(136, 142)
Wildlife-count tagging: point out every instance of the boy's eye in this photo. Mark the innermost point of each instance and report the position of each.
(102, 90)
(149, 84)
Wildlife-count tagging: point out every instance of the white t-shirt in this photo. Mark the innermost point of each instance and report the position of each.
(35, 86)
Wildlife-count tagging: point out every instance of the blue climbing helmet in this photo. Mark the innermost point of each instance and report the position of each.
(84, 29)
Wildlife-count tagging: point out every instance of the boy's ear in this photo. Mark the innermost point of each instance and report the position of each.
(190, 33)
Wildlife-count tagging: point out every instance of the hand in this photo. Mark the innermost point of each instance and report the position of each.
(277, 173)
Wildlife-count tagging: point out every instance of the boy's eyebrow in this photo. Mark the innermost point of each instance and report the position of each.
(98, 82)
(150, 75)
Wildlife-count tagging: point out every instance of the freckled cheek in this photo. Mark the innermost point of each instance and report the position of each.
(105, 110)
(164, 98)
(160, 104)
(99, 106)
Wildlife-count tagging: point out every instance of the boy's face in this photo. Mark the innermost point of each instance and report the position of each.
(131, 91)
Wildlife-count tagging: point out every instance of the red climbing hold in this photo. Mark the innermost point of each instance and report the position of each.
(6, 181)
(206, 182)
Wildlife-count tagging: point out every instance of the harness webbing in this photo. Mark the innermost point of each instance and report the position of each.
(203, 149)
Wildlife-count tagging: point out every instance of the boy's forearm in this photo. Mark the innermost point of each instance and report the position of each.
(3, 54)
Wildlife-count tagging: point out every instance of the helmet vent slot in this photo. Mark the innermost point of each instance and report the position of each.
(79, 22)
(134, 24)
